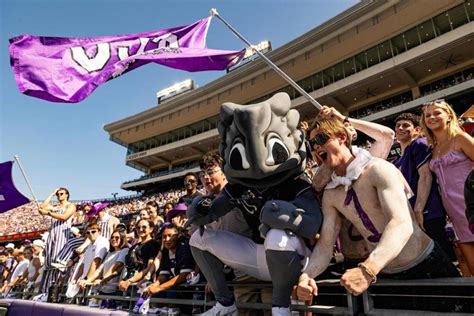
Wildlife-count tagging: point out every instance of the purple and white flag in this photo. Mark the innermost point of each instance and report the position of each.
(69, 69)
(10, 197)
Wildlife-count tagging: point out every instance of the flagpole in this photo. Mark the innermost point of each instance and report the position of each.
(17, 159)
(269, 63)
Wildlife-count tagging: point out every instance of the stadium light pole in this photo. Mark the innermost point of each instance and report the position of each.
(308, 97)
(114, 194)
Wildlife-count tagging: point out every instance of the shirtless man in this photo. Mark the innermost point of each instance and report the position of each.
(370, 193)
(353, 246)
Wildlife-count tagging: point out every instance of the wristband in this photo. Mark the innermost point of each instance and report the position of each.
(346, 119)
(367, 271)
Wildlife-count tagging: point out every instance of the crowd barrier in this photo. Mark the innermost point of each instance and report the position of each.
(451, 296)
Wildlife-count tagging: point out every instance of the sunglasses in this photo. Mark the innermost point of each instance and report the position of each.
(60, 193)
(435, 101)
(189, 181)
(320, 139)
(91, 232)
(115, 238)
(142, 227)
(209, 173)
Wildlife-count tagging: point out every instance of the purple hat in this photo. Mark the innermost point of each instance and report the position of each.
(179, 209)
(96, 208)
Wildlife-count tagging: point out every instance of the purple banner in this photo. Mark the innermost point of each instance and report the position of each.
(10, 197)
(69, 69)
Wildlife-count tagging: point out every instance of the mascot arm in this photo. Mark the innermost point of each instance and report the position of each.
(204, 209)
(301, 216)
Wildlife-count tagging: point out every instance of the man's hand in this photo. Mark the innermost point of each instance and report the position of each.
(306, 288)
(327, 112)
(419, 217)
(355, 281)
(82, 284)
(152, 289)
(42, 211)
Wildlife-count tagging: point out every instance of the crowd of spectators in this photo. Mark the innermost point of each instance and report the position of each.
(26, 218)
(142, 242)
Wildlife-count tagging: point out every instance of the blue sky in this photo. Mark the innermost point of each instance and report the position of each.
(65, 144)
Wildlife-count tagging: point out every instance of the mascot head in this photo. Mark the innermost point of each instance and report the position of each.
(260, 143)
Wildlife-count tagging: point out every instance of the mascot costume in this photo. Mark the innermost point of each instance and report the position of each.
(264, 158)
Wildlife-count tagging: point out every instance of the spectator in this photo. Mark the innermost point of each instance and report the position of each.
(17, 274)
(94, 255)
(107, 276)
(139, 261)
(353, 246)
(106, 222)
(234, 221)
(414, 165)
(452, 161)
(190, 184)
(152, 209)
(144, 214)
(370, 193)
(36, 266)
(167, 207)
(177, 215)
(61, 217)
(9, 263)
(176, 261)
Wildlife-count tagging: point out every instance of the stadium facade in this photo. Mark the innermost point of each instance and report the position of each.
(372, 61)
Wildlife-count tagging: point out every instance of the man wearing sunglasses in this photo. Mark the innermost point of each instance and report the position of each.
(353, 246)
(370, 193)
(94, 254)
(190, 184)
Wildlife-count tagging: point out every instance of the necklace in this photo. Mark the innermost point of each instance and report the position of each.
(439, 145)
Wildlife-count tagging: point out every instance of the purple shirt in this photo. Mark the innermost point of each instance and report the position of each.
(416, 155)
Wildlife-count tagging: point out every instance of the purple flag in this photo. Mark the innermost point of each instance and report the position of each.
(10, 197)
(69, 69)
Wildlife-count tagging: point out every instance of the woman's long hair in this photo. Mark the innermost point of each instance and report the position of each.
(453, 125)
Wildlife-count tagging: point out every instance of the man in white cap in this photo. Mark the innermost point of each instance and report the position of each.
(36, 265)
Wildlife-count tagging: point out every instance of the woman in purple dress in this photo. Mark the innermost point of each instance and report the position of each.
(452, 161)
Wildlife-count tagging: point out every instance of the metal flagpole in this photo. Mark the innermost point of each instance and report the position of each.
(269, 63)
(17, 159)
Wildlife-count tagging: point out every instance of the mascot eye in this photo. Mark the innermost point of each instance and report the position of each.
(238, 159)
(277, 152)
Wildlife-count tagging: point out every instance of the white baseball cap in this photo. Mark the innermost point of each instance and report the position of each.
(10, 245)
(39, 243)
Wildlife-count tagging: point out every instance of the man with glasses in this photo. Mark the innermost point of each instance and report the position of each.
(94, 254)
(370, 193)
(190, 184)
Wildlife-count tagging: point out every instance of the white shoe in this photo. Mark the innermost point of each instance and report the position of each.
(281, 311)
(220, 310)
(93, 303)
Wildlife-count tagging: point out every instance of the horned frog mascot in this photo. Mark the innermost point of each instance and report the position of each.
(264, 158)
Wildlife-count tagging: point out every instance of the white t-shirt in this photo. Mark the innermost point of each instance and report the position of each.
(20, 269)
(109, 261)
(96, 250)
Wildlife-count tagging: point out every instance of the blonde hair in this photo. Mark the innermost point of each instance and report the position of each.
(331, 127)
(453, 125)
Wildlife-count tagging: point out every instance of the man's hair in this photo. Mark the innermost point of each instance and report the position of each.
(93, 225)
(331, 127)
(211, 160)
(413, 118)
(191, 174)
(65, 190)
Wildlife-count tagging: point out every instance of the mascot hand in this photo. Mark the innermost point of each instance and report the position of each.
(281, 215)
(199, 212)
